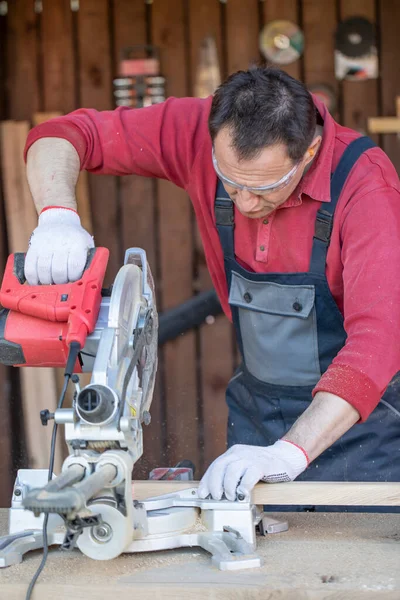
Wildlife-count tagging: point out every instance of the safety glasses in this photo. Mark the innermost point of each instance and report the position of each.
(273, 187)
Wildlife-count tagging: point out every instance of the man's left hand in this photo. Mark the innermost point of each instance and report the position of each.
(238, 470)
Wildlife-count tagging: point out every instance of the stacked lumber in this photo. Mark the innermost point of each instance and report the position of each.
(38, 386)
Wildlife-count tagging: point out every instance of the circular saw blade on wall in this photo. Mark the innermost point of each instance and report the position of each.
(356, 55)
(281, 42)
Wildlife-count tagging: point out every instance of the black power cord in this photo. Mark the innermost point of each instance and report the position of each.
(72, 356)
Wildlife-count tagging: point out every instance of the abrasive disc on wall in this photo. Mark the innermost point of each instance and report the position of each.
(281, 42)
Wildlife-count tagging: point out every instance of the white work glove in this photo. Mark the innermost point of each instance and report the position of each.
(237, 471)
(58, 248)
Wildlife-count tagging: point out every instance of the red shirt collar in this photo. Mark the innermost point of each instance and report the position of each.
(316, 183)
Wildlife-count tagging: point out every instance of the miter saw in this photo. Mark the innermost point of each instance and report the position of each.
(90, 504)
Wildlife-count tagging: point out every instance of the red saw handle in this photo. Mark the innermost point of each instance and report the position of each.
(77, 302)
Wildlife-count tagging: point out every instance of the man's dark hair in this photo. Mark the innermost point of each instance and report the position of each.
(262, 107)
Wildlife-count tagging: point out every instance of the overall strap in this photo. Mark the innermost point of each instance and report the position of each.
(324, 219)
(224, 219)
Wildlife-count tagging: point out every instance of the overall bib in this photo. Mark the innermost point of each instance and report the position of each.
(289, 329)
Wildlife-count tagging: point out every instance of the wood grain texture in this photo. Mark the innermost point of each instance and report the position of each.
(6, 382)
(242, 31)
(95, 77)
(294, 493)
(215, 338)
(319, 24)
(359, 98)
(175, 219)
(390, 74)
(283, 10)
(138, 224)
(57, 45)
(22, 58)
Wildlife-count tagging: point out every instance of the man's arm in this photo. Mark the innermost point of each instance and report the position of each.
(52, 169)
(158, 141)
(326, 419)
(238, 470)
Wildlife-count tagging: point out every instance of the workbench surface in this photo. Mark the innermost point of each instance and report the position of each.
(333, 556)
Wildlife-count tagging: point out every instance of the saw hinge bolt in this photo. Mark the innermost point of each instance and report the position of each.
(45, 416)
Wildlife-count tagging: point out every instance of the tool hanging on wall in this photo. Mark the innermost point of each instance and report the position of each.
(208, 75)
(281, 42)
(356, 56)
(326, 94)
(139, 82)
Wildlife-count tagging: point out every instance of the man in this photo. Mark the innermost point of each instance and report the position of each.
(307, 264)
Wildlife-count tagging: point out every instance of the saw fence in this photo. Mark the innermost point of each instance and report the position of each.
(60, 59)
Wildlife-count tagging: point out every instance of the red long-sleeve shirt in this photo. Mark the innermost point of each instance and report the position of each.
(171, 141)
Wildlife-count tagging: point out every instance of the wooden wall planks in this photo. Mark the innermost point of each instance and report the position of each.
(389, 18)
(59, 61)
(215, 339)
(175, 219)
(359, 98)
(286, 10)
(95, 91)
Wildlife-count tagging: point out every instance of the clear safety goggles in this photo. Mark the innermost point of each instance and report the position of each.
(272, 187)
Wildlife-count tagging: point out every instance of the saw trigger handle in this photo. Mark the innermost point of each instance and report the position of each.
(77, 302)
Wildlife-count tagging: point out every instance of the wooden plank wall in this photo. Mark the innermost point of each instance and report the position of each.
(59, 60)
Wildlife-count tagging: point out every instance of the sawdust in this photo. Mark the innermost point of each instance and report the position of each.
(198, 527)
(328, 555)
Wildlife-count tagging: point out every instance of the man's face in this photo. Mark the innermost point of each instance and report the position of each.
(267, 168)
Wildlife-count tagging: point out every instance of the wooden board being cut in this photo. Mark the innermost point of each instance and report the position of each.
(316, 493)
(321, 557)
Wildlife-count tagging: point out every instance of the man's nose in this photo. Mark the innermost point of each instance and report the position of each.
(247, 201)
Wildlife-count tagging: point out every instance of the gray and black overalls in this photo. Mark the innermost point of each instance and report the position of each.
(289, 329)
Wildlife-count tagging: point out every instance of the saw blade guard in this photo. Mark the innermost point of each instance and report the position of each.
(137, 256)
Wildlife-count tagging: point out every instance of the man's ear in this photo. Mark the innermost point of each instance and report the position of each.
(313, 149)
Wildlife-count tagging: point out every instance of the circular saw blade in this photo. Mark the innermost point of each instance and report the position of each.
(281, 42)
(355, 37)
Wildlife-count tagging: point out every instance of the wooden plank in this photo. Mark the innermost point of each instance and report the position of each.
(7, 435)
(359, 98)
(314, 493)
(22, 53)
(389, 73)
(137, 194)
(215, 339)
(138, 224)
(38, 385)
(319, 43)
(176, 253)
(204, 22)
(284, 10)
(58, 60)
(41, 117)
(384, 125)
(95, 77)
(242, 31)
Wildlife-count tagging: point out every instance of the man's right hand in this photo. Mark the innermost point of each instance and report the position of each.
(58, 248)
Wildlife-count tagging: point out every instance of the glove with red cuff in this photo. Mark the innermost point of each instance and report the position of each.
(58, 247)
(237, 471)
